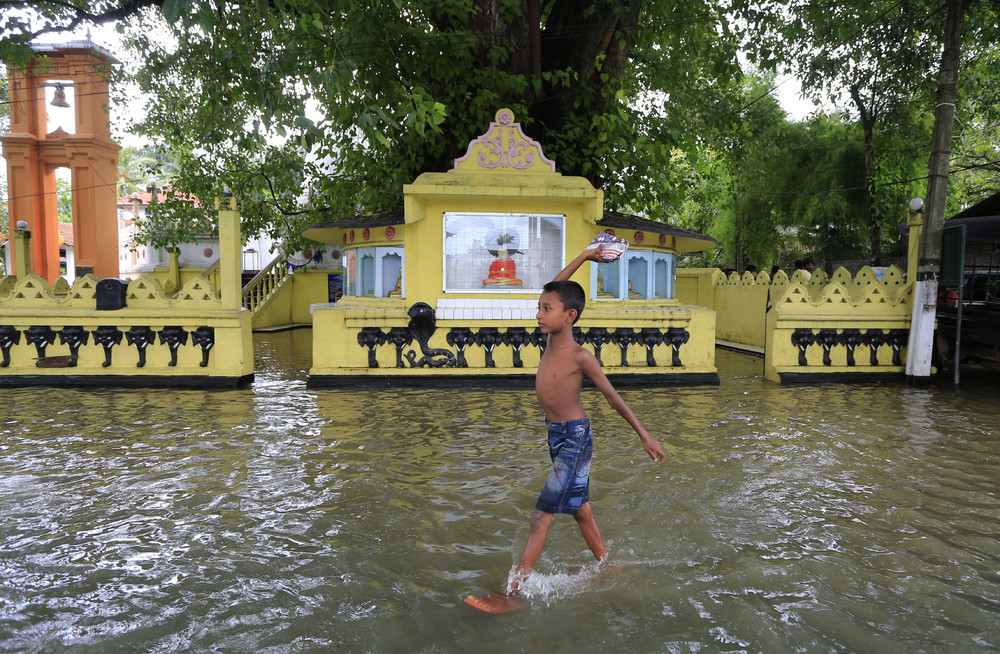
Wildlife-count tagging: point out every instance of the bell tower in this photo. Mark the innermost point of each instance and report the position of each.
(33, 154)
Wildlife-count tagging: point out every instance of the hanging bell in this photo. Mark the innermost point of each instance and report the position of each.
(59, 98)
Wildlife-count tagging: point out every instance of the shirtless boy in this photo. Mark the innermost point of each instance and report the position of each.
(558, 381)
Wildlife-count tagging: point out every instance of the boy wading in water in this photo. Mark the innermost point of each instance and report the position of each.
(558, 381)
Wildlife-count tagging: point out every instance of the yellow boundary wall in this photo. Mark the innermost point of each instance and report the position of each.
(200, 336)
(836, 322)
(31, 306)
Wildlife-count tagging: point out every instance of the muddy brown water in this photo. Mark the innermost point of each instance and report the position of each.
(276, 518)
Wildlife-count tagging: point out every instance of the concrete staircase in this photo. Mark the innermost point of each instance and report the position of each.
(263, 287)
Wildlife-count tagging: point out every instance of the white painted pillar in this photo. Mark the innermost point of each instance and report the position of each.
(921, 344)
(70, 275)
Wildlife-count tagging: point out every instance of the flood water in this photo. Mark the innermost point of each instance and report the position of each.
(837, 518)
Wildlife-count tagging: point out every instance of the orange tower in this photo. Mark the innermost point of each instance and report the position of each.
(33, 156)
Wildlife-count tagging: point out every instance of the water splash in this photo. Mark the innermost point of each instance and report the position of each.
(552, 587)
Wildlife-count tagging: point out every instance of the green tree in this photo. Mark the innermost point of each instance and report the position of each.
(366, 95)
(882, 60)
(747, 215)
(875, 58)
(975, 173)
(162, 167)
(140, 167)
(698, 207)
(64, 200)
(133, 171)
(774, 189)
(825, 197)
(975, 160)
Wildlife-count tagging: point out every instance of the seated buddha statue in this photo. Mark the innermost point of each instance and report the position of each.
(600, 285)
(503, 271)
(398, 291)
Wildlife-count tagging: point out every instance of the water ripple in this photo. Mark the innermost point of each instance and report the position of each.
(276, 519)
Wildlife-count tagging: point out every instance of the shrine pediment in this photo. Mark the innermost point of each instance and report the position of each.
(504, 148)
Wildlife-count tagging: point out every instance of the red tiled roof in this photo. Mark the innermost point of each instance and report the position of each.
(145, 197)
(66, 231)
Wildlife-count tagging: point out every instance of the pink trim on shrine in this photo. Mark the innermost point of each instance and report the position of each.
(504, 145)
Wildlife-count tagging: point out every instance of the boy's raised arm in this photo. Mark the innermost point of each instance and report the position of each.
(574, 265)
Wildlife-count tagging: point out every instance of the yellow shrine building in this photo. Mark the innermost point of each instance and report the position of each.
(445, 291)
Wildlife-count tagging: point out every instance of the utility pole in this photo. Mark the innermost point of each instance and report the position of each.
(918, 357)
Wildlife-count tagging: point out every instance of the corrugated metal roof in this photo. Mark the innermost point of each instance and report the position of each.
(988, 207)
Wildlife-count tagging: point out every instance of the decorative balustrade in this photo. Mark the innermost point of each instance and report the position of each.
(891, 281)
(815, 326)
(515, 338)
(105, 337)
(500, 343)
(57, 335)
(34, 292)
(810, 327)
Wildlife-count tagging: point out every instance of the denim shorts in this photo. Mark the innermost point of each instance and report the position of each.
(571, 445)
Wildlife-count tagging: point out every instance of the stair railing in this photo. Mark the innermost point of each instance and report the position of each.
(211, 273)
(259, 290)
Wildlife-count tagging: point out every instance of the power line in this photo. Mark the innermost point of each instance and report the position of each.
(955, 171)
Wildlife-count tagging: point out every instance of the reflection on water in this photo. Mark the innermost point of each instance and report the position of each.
(281, 519)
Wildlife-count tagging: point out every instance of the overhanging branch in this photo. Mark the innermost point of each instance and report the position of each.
(78, 15)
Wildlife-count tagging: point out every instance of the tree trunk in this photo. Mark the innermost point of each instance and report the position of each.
(590, 44)
(587, 44)
(944, 121)
(535, 44)
(868, 126)
(921, 340)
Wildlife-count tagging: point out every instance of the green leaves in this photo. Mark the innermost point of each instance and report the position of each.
(358, 98)
(172, 9)
(177, 219)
